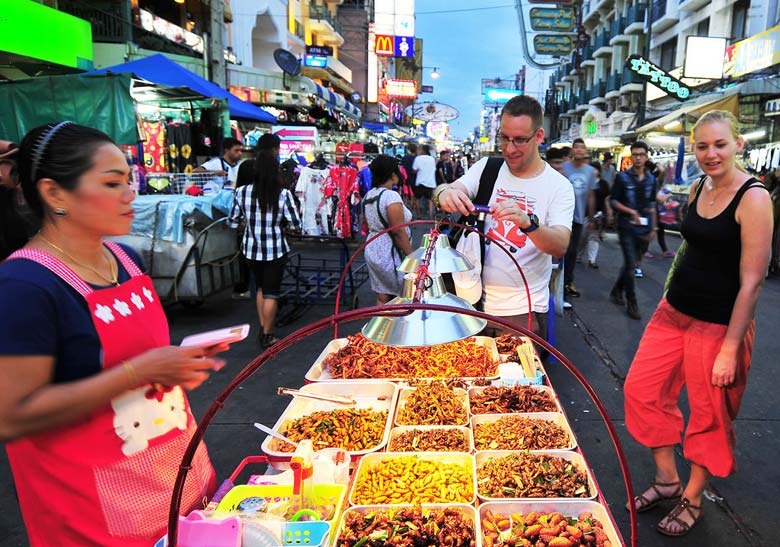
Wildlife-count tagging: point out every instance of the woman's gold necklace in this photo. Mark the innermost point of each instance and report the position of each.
(114, 280)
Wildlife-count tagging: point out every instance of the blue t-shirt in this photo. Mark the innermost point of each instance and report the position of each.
(40, 314)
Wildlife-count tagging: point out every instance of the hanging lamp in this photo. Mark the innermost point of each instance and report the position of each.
(443, 258)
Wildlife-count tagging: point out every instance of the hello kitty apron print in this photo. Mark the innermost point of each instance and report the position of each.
(108, 480)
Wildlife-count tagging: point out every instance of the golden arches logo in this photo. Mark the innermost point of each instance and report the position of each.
(385, 45)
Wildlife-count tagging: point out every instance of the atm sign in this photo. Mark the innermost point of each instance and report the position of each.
(384, 45)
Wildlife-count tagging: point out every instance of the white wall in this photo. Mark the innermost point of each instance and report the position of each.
(259, 27)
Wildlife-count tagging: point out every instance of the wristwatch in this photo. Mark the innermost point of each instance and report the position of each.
(533, 226)
(437, 194)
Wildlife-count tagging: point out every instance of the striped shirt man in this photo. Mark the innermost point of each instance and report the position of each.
(263, 236)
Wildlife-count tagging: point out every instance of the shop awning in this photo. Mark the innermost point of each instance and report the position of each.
(159, 69)
(690, 113)
(334, 100)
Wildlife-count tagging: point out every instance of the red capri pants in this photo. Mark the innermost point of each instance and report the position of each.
(678, 350)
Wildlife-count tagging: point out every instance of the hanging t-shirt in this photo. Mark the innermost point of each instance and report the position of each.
(311, 190)
(155, 152)
(550, 197)
(180, 156)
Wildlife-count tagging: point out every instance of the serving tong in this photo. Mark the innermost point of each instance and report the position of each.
(338, 399)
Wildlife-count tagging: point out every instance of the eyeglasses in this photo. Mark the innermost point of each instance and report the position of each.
(640, 155)
(503, 140)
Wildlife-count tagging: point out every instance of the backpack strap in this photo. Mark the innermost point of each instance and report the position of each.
(487, 181)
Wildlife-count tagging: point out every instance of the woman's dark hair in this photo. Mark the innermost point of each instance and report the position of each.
(267, 180)
(382, 168)
(62, 152)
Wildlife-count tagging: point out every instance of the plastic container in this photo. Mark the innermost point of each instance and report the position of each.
(461, 394)
(557, 418)
(334, 492)
(569, 508)
(512, 374)
(465, 510)
(373, 394)
(396, 431)
(479, 389)
(320, 373)
(576, 458)
(460, 458)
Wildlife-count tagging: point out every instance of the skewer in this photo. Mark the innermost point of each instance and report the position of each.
(338, 399)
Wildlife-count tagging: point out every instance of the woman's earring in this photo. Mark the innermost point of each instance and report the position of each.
(60, 212)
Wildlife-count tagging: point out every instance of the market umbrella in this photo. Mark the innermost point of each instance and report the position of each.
(680, 159)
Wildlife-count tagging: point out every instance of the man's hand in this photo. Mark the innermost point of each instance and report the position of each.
(453, 200)
(510, 210)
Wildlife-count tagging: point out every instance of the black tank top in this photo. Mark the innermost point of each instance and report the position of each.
(706, 282)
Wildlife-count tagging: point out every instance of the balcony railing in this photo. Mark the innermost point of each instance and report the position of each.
(630, 78)
(583, 96)
(618, 26)
(602, 40)
(613, 82)
(659, 9)
(636, 14)
(587, 52)
(106, 27)
(599, 89)
(323, 14)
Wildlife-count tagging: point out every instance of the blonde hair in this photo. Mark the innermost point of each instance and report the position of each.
(722, 116)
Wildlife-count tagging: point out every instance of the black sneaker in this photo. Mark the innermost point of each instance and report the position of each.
(593, 265)
(267, 339)
(571, 290)
(616, 296)
(632, 308)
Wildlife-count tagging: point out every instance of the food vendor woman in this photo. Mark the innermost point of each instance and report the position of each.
(93, 409)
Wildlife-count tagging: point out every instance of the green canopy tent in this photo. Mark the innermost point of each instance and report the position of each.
(105, 101)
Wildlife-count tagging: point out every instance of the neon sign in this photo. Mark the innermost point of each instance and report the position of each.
(654, 75)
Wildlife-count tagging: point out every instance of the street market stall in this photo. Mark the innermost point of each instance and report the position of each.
(450, 439)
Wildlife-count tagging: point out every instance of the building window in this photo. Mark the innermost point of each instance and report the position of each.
(669, 54)
(739, 20)
(703, 28)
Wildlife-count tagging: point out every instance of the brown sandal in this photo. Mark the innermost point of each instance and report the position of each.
(643, 504)
(673, 516)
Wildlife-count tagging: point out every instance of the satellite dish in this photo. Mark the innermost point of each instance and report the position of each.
(287, 61)
(355, 97)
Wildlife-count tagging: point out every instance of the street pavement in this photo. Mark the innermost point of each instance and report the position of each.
(596, 336)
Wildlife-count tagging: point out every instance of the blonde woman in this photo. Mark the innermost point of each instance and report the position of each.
(701, 335)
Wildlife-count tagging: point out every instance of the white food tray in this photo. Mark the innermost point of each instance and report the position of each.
(479, 389)
(574, 457)
(555, 417)
(373, 395)
(320, 373)
(461, 394)
(398, 430)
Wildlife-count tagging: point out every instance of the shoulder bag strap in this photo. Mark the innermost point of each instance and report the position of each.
(487, 181)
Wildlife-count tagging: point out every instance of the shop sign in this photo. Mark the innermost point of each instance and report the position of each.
(496, 95)
(655, 75)
(426, 89)
(384, 45)
(553, 44)
(315, 61)
(754, 53)
(557, 2)
(249, 94)
(401, 88)
(552, 19)
(295, 138)
(772, 107)
(161, 27)
(404, 46)
(323, 51)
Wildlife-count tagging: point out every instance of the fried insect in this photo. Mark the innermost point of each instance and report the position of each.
(413, 479)
(349, 429)
(520, 433)
(526, 475)
(408, 527)
(361, 358)
(505, 400)
(506, 343)
(542, 530)
(430, 440)
(433, 403)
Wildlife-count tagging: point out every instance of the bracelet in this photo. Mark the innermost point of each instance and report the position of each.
(437, 195)
(132, 375)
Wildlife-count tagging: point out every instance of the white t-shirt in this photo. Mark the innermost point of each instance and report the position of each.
(425, 167)
(550, 197)
(310, 188)
(219, 164)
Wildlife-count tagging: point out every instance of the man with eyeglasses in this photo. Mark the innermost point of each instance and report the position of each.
(633, 199)
(531, 207)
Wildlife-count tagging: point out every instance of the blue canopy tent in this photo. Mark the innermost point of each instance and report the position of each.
(159, 69)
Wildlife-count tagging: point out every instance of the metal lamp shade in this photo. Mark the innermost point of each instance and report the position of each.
(424, 327)
(444, 259)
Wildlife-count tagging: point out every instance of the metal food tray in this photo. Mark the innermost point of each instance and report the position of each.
(367, 395)
(320, 373)
(461, 394)
(465, 510)
(569, 509)
(547, 389)
(556, 417)
(396, 431)
(482, 456)
(444, 457)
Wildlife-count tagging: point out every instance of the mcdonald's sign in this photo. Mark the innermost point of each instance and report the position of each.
(384, 45)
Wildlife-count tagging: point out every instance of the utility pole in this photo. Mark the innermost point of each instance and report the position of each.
(642, 113)
(216, 68)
